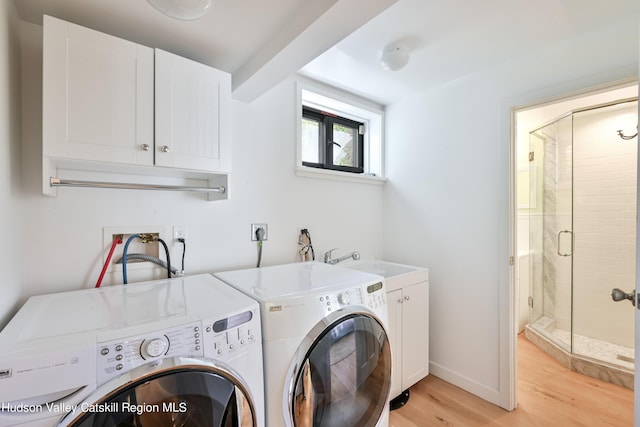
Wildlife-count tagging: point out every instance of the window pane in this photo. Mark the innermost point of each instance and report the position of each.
(347, 137)
(310, 140)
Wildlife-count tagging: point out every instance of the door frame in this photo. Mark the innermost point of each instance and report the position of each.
(508, 365)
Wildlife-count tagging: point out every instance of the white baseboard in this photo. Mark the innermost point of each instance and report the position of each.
(473, 387)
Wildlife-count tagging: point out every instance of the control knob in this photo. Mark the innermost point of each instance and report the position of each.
(155, 347)
(343, 298)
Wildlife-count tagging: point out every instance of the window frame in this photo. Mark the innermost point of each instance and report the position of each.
(317, 95)
(326, 141)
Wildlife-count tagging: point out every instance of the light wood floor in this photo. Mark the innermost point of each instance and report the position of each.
(549, 395)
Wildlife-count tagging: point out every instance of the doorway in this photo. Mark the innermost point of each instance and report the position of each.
(576, 187)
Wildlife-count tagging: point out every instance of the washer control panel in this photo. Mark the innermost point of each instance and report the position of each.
(121, 355)
(371, 296)
(226, 338)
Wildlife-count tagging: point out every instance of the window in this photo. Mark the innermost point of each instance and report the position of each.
(332, 142)
(339, 135)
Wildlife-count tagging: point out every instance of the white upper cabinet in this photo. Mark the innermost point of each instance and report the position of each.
(192, 114)
(97, 96)
(102, 96)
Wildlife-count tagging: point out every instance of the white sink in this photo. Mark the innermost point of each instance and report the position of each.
(395, 275)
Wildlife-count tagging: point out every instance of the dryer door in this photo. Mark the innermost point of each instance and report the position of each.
(177, 392)
(341, 375)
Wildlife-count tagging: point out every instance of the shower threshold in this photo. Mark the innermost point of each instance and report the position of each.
(594, 358)
(626, 358)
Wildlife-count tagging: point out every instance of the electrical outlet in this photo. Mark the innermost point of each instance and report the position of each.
(179, 232)
(255, 227)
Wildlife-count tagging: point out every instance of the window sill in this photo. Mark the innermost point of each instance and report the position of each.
(308, 172)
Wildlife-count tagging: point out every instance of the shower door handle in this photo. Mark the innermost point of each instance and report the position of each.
(561, 233)
(620, 295)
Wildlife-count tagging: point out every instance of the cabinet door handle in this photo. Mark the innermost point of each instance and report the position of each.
(164, 149)
(407, 298)
(145, 147)
(399, 300)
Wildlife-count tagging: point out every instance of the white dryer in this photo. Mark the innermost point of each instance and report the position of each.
(180, 352)
(325, 342)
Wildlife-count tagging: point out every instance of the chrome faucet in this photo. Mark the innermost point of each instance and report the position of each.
(327, 257)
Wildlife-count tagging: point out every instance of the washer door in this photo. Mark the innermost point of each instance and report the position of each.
(178, 392)
(341, 375)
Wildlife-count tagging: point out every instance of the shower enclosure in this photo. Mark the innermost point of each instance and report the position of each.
(582, 229)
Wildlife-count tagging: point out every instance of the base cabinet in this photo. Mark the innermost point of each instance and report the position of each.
(409, 335)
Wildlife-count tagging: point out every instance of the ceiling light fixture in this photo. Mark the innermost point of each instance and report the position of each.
(186, 10)
(394, 57)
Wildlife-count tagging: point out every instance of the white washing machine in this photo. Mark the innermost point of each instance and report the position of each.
(180, 352)
(325, 342)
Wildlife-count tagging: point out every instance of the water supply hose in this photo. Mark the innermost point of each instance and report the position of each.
(115, 242)
(149, 258)
(124, 257)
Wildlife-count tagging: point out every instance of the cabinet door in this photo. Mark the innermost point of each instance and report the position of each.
(192, 110)
(394, 307)
(415, 333)
(97, 96)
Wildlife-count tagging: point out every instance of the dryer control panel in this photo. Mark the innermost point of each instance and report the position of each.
(371, 296)
(121, 355)
(376, 295)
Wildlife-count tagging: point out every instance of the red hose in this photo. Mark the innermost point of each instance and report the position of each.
(115, 242)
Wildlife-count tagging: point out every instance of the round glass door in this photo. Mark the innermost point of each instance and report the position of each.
(344, 376)
(201, 397)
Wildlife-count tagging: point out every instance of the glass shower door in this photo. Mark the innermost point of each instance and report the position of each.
(582, 235)
(551, 231)
(605, 226)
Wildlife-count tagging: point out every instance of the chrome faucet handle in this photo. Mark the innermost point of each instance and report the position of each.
(327, 255)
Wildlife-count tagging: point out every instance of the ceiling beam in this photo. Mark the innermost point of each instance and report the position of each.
(318, 26)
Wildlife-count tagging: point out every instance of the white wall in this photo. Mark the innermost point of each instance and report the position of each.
(447, 202)
(10, 171)
(63, 235)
